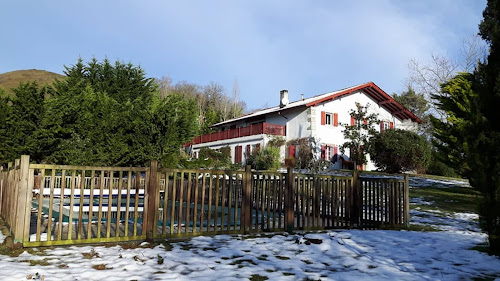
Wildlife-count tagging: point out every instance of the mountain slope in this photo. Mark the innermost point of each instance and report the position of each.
(12, 79)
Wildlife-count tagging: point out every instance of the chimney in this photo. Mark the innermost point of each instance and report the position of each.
(283, 98)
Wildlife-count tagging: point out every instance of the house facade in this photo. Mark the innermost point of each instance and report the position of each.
(320, 117)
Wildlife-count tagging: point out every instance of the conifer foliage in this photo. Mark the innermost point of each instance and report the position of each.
(100, 114)
(470, 134)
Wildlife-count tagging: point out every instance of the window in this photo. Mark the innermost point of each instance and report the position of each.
(355, 121)
(386, 125)
(328, 152)
(328, 119)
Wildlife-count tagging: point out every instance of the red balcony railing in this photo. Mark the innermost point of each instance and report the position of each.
(256, 129)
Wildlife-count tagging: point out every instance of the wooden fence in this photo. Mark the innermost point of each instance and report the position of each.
(61, 205)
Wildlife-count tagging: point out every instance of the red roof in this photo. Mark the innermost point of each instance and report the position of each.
(372, 90)
(381, 97)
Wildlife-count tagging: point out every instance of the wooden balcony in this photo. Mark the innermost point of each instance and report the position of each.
(256, 129)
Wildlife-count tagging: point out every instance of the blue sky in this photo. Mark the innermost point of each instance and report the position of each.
(307, 47)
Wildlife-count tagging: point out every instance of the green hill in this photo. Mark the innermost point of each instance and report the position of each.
(12, 79)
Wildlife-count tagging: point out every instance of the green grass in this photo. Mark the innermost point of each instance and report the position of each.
(451, 199)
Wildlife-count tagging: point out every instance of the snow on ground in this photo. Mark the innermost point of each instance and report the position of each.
(329, 255)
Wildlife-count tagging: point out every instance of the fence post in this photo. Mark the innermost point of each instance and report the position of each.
(289, 214)
(9, 196)
(23, 213)
(246, 208)
(406, 201)
(1, 191)
(357, 201)
(152, 200)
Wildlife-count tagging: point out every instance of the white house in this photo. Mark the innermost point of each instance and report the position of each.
(319, 117)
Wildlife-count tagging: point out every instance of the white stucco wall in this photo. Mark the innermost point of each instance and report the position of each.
(296, 121)
(331, 135)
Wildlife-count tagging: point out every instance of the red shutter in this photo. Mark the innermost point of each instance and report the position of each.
(391, 125)
(323, 152)
(335, 119)
(365, 121)
(237, 154)
(195, 155)
(248, 149)
(353, 121)
(257, 148)
(381, 126)
(335, 150)
(291, 151)
(323, 118)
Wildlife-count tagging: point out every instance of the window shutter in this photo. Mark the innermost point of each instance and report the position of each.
(335, 119)
(248, 149)
(335, 150)
(257, 148)
(291, 151)
(323, 118)
(323, 152)
(237, 154)
(391, 125)
(353, 121)
(381, 126)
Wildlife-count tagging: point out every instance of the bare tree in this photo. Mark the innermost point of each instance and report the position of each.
(236, 97)
(426, 78)
(473, 50)
(164, 86)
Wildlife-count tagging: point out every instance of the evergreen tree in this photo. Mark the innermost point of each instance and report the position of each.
(100, 115)
(175, 123)
(453, 135)
(27, 112)
(470, 135)
(5, 141)
(417, 104)
(484, 156)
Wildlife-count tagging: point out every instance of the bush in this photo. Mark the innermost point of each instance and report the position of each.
(438, 168)
(220, 158)
(396, 151)
(266, 159)
(304, 154)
